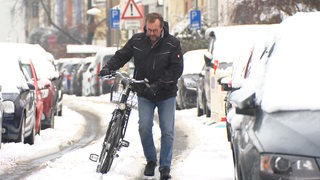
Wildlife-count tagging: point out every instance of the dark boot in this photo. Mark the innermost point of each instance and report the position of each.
(165, 173)
(149, 169)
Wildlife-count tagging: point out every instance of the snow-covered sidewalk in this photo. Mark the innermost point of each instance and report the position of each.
(208, 154)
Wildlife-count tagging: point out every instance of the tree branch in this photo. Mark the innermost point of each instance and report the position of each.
(56, 26)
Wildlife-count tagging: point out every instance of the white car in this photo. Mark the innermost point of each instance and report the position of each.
(87, 76)
(98, 86)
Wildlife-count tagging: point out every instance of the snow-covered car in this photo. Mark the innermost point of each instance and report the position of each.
(277, 123)
(66, 67)
(1, 113)
(78, 77)
(187, 84)
(227, 45)
(30, 72)
(19, 99)
(87, 76)
(47, 74)
(101, 86)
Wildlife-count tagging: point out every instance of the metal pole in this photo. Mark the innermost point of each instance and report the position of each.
(108, 28)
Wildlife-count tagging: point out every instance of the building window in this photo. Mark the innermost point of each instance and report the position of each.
(35, 9)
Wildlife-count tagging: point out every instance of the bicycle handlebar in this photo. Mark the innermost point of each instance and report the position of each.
(128, 80)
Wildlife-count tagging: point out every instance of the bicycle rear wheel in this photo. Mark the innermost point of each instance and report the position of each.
(110, 144)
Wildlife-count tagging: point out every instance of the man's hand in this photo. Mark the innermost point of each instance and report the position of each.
(151, 90)
(105, 71)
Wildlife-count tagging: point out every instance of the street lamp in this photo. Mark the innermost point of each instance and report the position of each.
(93, 11)
(91, 25)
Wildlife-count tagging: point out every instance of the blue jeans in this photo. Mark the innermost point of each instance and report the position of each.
(166, 112)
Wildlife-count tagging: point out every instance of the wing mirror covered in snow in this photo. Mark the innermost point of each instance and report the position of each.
(244, 102)
(208, 59)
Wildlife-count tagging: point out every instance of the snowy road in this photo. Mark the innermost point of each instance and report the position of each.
(200, 150)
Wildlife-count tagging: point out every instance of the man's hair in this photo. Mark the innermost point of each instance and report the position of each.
(152, 17)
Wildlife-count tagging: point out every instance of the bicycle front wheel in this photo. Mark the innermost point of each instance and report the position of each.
(110, 144)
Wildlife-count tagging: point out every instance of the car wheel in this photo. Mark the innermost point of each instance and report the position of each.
(22, 129)
(237, 171)
(199, 110)
(52, 122)
(60, 111)
(111, 93)
(31, 137)
(39, 129)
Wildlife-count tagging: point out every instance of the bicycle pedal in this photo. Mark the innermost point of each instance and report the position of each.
(125, 143)
(94, 157)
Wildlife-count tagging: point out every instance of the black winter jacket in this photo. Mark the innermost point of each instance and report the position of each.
(161, 64)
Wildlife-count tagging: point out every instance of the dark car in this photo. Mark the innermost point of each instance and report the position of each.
(1, 113)
(19, 101)
(187, 84)
(276, 122)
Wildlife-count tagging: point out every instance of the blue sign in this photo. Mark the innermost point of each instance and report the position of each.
(195, 19)
(115, 18)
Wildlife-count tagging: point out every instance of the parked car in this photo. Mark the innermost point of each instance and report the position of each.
(1, 113)
(187, 84)
(30, 72)
(101, 86)
(47, 74)
(87, 76)
(277, 106)
(66, 67)
(227, 45)
(242, 70)
(19, 100)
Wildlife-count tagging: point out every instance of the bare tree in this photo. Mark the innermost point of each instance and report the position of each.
(56, 26)
(271, 11)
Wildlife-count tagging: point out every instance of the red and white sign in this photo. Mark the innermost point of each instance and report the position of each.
(131, 11)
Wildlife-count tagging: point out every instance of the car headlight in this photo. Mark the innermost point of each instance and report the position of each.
(288, 166)
(190, 83)
(8, 107)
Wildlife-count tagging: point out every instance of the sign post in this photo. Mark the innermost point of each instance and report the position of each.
(195, 19)
(131, 16)
(115, 18)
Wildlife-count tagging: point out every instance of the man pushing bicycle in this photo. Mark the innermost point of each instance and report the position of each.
(157, 58)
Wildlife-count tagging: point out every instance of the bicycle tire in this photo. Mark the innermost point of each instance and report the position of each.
(110, 145)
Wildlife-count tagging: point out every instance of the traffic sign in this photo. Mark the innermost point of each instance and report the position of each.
(195, 19)
(131, 11)
(115, 18)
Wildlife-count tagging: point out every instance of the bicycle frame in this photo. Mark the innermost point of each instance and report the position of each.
(117, 127)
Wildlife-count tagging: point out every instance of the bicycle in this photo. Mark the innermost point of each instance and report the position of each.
(117, 126)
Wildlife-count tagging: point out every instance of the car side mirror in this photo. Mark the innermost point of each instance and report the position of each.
(225, 83)
(244, 102)
(208, 59)
(31, 86)
(213, 35)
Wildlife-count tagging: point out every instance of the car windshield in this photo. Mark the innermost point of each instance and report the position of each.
(225, 65)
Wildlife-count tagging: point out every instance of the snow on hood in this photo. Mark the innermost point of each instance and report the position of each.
(193, 61)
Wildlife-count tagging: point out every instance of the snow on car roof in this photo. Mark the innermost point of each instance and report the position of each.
(233, 42)
(292, 71)
(193, 61)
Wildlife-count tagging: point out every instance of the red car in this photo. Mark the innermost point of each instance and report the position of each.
(47, 74)
(29, 71)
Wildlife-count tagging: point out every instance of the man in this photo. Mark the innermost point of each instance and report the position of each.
(158, 58)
